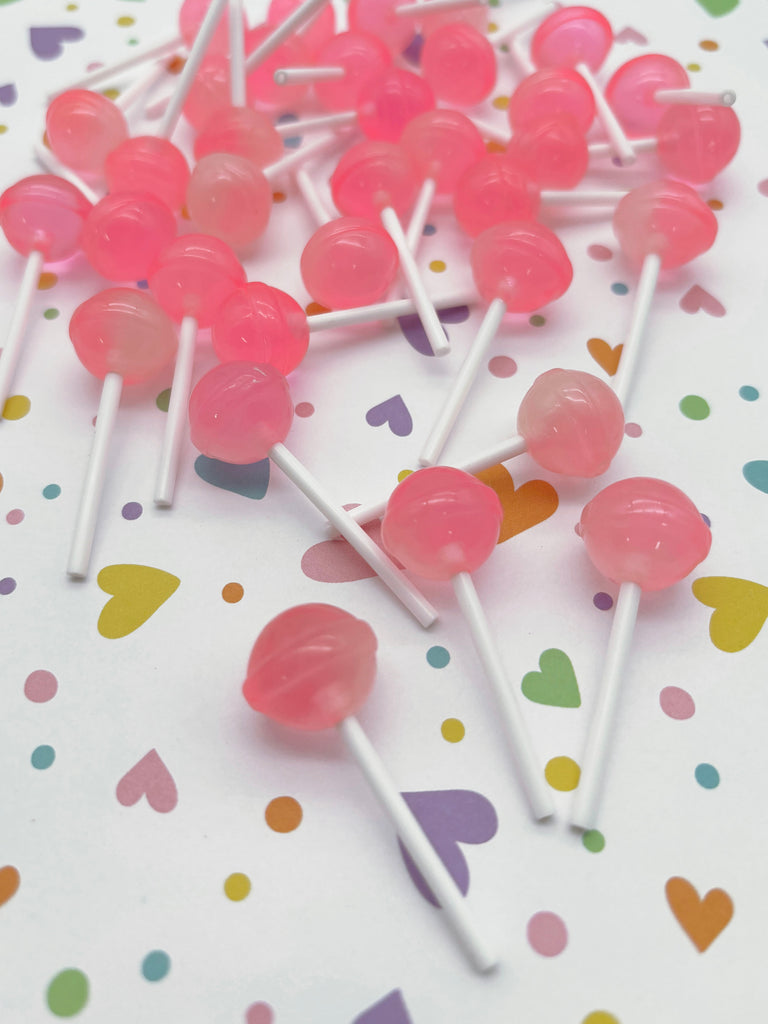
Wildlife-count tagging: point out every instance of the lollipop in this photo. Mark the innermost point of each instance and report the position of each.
(315, 32)
(240, 413)
(241, 130)
(42, 217)
(261, 324)
(82, 127)
(124, 234)
(548, 93)
(312, 668)
(122, 337)
(443, 524)
(345, 64)
(230, 198)
(271, 40)
(553, 152)
(645, 535)
(518, 267)
(696, 142)
(349, 262)
(459, 63)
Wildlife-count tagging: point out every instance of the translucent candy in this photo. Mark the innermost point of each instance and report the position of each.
(82, 127)
(386, 103)
(261, 324)
(194, 276)
(442, 145)
(631, 88)
(147, 163)
(349, 262)
(696, 141)
(494, 189)
(378, 18)
(570, 36)
(362, 56)
(229, 197)
(524, 264)
(459, 63)
(548, 93)
(124, 234)
(43, 213)
(209, 92)
(311, 667)
(191, 16)
(263, 92)
(315, 34)
(667, 218)
(243, 131)
(553, 153)
(372, 175)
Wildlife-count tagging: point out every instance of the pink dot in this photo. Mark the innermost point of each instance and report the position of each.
(599, 252)
(14, 516)
(304, 409)
(259, 1013)
(633, 429)
(677, 703)
(762, 187)
(547, 933)
(40, 686)
(502, 366)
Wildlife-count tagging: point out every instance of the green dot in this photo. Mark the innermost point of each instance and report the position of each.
(537, 320)
(438, 657)
(163, 399)
(51, 491)
(51, 314)
(748, 393)
(68, 993)
(593, 840)
(694, 407)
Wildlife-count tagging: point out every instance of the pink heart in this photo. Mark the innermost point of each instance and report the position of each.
(336, 561)
(630, 35)
(696, 298)
(150, 778)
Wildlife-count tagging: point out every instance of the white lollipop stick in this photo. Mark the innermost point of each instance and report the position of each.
(432, 6)
(9, 357)
(51, 162)
(94, 78)
(622, 147)
(597, 149)
(176, 424)
(296, 157)
(521, 57)
(300, 16)
(309, 193)
(142, 85)
(237, 90)
(305, 76)
(423, 854)
(530, 771)
(382, 311)
(583, 197)
(381, 564)
(93, 485)
(726, 98)
(463, 381)
(314, 124)
(586, 804)
(646, 287)
(530, 21)
(420, 212)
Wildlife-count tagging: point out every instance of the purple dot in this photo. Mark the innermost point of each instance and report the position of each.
(633, 429)
(40, 686)
(547, 933)
(14, 516)
(502, 366)
(707, 520)
(7, 585)
(676, 703)
(602, 601)
(132, 510)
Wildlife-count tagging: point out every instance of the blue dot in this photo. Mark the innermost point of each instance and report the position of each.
(438, 657)
(429, 229)
(51, 491)
(707, 776)
(748, 393)
(43, 757)
(619, 289)
(142, 284)
(155, 965)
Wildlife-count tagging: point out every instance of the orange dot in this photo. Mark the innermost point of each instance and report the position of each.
(184, 213)
(709, 45)
(283, 814)
(714, 204)
(314, 309)
(46, 280)
(279, 197)
(232, 592)
(492, 146)
(175, 65)
(1, 481)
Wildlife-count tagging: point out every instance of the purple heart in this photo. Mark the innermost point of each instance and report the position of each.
(449, 817)
(48, 43)
(8, 95)
(389, 1010)
(394, 412)
(414, 333)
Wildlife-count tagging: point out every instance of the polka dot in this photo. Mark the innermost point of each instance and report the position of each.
(492, 146)
(71, 7)
(492, 27)
(562, 773)
(677, 703)
(304, 409)
(537, 320)
(46, 280)
(453, 730)
(429, 229)
(67, 993)
(403, 474)
(602, 601)
(3, 129)
(155, 965)
(694, 407)
(600, 1017)
(144, 285)
(438, 657)
(633, 430)
(131, 510)
(7, 585)
(43, 757)
(437, 266)
(619, 288)
(259, 1013)
(601, 253)
(279, 197)
(283, 814)
(707, 776)
(51, 491)
(707, 520)
(709, 45)
(693, 66)
(502, 366)
(1, 481)
(163, 400)
(232, 592)
(175, 65)
(547, 934)
(111, 94)
(237, 886)
(315, 309)
(126, 21)
(40, 686)
(501, 102)
(748, 393)
(593, 840)
(16, 407)
(51, 313)
(715, 204)
(762, 187)
(15, 516)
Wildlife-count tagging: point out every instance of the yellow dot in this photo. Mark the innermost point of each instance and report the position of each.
(126, 21)
(232, 592)
(562, 773)
(437, 266)
(3, 129)
(71, 7)
(492, 27)
(16, 407)
(693, 66)
(46, 280)
(714, 204)
(492, 146)
(1, 481)
(279, 197)
(283, 814)
(709, 44)
(111, 93)
(600, 1017)
(237, 886)
(501, 102)
(403, 474)
(452, 730)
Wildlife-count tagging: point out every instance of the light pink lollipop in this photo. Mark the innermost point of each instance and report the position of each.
(124, 234)
(645, 535)
(697, 142)
(345, 64)
(552, 151)
(379, 18)
(494, 189)
(312, 668)
(261, 324)
(548, 93)
(230, 198)
(459, 63)
(82, 127)
(315, 33)
(149, 164)
(443, 524)
(349, 262)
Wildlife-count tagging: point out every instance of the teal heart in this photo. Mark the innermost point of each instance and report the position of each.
(251, 481)
(717, 8)
(556, 684)
(756, 473)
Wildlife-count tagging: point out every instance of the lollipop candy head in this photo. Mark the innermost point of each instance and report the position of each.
(631, 91)
(230, 198)
(697, 141)
(523, 264)
(548, 93)
(644, 531)
(146, 163)
(441, 521)
(243, 131)
(494, 189)
(553, 152)
(124, 234)
(666, 218)
(44, 214)
(571, 36)
(311, 667)
(194, 276)
(261, 324)
(372, 175)
(379, 19)
(349, 262)
(83, 127)
(386, 103)
(317, 31)
(459, 63)
(362, 56)
(442, 145)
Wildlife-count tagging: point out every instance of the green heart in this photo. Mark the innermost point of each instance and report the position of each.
(556, 683)
(717, 8)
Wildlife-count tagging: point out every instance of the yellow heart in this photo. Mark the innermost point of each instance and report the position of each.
(605, 356)
(138, 591)
(741, 608)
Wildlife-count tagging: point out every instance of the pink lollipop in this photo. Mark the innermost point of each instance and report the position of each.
(494, 189)
(345, 63)
(379, 18)
(82, 127)
(42, 217)
(443, 524)
(349, 262)
(549, 93)
(230, 198)
(261, 324)
(459, 63)
(151, 165)
(191, 17)
(645, 535)
(240, 413)
(191, 280)
(262, 90)
(315, 33)
(122, 337)
(312, 668)
(631, 91)
(552, 152)
(243, 131)
(697, 142)
(289, 24)
(124, 234)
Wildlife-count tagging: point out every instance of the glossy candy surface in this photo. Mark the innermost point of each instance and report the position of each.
(552, 152)
(43, 213)
(372, 175)
(442, 145)
(82, 127)
(441, 521)
(124, 234)
(229, 197)
(631, 88)
(387, 102)
(459, 63)
(494, 189)
(210, 91)
(146, 163)
(124, 331)
(667, 218)
(311, 667)
(378, 18)
(523, 264)
(644, 531)
(238, 411)
(349, 262)
(194, 276)
(260, 324)
(363, 57)
(697, 142)
(191, 16)
(315, 33)
(243, 131)
(548, 93)
(572, 422)
(570, 36)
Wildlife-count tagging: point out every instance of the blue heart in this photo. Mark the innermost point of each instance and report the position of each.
(251, 481)
(756, 473)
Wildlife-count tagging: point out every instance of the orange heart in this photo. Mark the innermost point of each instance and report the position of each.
(523, 507)
(701, 920)
(9, 883)
(605, 356)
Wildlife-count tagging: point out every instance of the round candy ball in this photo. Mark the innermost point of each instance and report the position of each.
(553, 152)
(243, 131)
(459, 63)
(548, 93)
(124, 234)
(697, 142)
(442, 145)
(572, 422)
(209, 92)
(121, 330)
(261, 324)
(378, 18)
(238, 411)
(229, 197)
(667, 218)
(386, 103)
(571, 36)
(631, 89)
(372, 175)
(82, 128)
(644, 531)
(363, 57)
(311, 667)
(523, 264)
(147, 163)
(349, 262)
(315, 33)
(194, 276)
(441, 521)
(43, 213)
(494, 189)
(191, 17)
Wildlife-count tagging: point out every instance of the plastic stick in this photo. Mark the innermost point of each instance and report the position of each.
(597, 149)
(314, 124)
(305, 76)
(100, 75)
(295, 157)
(430, 6)
(237, 91)
(583, 197)
(524, 24)
(9, 357)
(51, 163)
(176, 424)
(292, 23)
(382, 311)
(726, 98)
(586, 804)
(646, 287)
(142, 85)
(420, 212)
(309, 193)
(622, 148)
